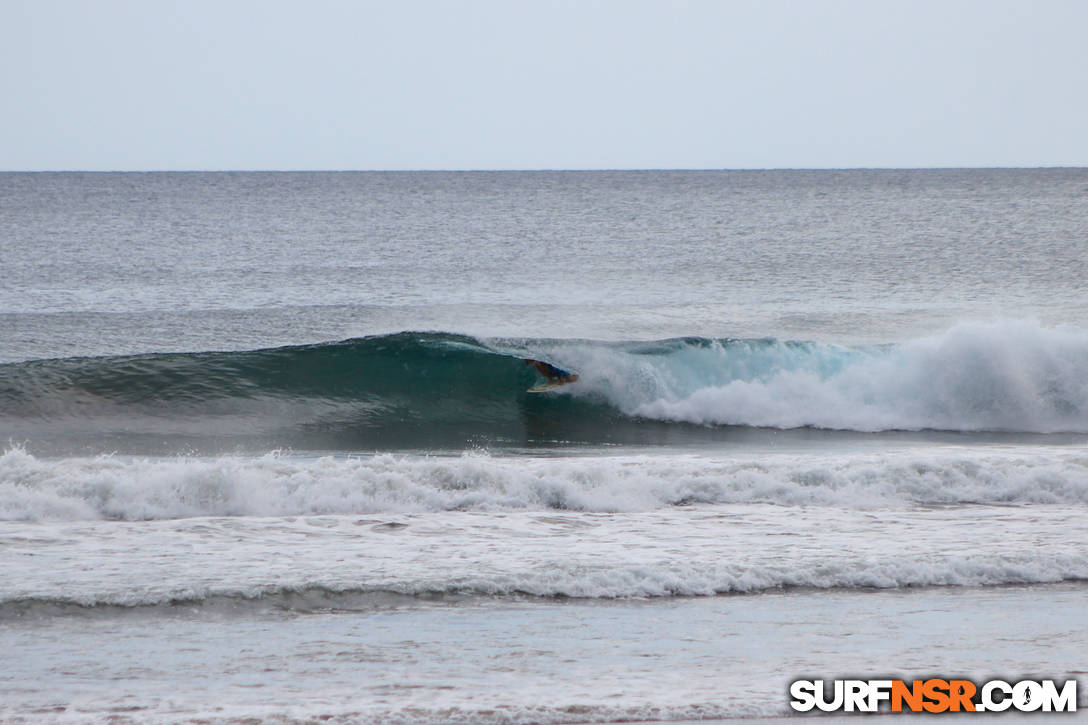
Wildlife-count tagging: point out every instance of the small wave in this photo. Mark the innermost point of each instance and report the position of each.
(583, 580)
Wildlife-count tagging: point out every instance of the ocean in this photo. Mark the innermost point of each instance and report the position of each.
(267, 454)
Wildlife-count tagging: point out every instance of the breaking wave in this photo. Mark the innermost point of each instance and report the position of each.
(421, 390)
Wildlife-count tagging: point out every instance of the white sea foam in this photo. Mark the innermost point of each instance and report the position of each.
(683, 551)
(116, 487)
(1006, 376)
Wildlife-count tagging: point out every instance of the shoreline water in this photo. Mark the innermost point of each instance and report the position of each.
(718, 658)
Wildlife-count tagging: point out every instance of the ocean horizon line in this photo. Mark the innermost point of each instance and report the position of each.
(527, 170)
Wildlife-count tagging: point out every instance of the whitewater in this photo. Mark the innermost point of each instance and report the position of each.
(140, 488)
(267, 452)
(1011, 376)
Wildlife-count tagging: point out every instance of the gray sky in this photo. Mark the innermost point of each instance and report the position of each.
(513, 84)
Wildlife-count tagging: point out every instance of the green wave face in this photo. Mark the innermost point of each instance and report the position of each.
(407, 390)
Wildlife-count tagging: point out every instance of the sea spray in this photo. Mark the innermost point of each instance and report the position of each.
(996, 377)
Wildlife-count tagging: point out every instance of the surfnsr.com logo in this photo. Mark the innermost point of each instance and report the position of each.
(933, 695)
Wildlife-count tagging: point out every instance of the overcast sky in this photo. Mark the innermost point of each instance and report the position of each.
(513, 84)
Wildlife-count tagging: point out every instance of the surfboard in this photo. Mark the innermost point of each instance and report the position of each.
(544, 387)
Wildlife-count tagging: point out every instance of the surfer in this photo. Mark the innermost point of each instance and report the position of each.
(555, 375)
